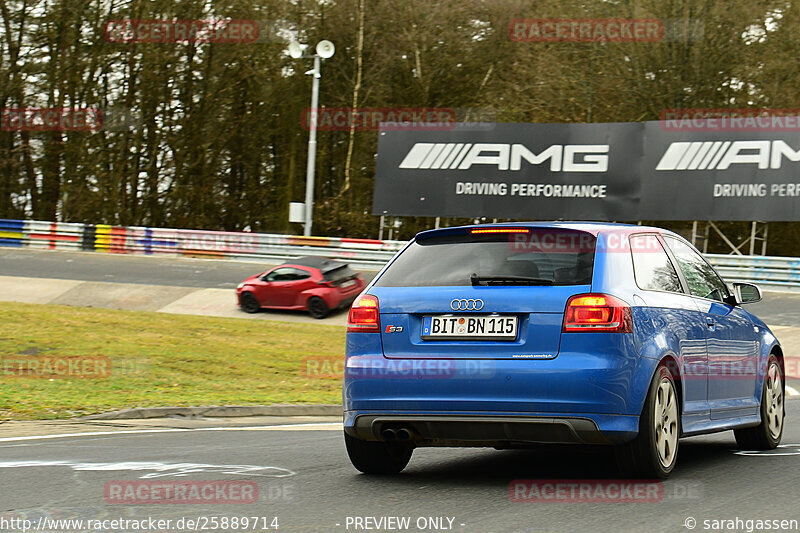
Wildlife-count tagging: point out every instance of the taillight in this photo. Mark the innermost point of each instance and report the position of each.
(364, 315)
(597, 312)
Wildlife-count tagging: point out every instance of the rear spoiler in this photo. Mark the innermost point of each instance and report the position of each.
(326, 269)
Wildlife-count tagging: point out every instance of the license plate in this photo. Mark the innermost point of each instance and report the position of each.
(348, 283)
(469, 327)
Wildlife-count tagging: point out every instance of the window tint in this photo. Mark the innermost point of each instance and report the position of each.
(651, 265)
(540, 257)
(287, 274)
(701, 278)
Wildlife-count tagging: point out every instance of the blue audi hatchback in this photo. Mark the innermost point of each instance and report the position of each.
(514, 335)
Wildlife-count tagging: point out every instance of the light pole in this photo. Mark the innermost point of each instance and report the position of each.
(324, 50)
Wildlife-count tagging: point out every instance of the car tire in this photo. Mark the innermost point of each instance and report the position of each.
(767, 435)
(249, 303)
(654, 451)
(317, 307)
(377, 457)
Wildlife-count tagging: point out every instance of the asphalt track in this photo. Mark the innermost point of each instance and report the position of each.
(136, 269)
(778, 308)
(139, 283)
(305, 480)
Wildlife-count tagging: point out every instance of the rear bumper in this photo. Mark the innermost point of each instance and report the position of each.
(592, 392)
(498, 430)
(347, 300)
(338, 298)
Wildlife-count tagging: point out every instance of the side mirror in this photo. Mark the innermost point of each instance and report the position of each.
(747, 293)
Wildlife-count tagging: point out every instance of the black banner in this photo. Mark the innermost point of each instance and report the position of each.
(614, 171)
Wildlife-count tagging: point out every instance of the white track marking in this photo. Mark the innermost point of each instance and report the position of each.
(159, 469)
(781, 451)
(323, 426)
(791, 391)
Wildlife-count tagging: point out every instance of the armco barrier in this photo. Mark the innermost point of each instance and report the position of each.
(12, 233)
(767, 271)
(770, 272)
(243, 246)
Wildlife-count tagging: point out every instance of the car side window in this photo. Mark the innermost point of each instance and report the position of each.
(287, 274)
(702, 279)
(651, 265)
(301, 274)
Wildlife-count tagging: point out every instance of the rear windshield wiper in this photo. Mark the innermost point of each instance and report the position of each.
(507, 280)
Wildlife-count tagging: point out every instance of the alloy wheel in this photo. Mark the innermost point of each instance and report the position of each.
(665, 418)
(774, 400)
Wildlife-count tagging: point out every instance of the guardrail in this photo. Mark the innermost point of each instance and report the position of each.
(767, 271)
(243, 246)
(770, 272)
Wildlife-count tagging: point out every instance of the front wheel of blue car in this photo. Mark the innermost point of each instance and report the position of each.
(378, 457)
(654, 451)
(767, 435)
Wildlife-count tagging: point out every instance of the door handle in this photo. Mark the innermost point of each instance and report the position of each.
(710, 322)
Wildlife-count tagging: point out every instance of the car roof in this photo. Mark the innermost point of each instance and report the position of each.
(325, 264)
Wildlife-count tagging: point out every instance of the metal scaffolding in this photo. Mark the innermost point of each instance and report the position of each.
(759, 232)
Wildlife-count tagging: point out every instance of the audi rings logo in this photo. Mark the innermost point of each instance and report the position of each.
(466, 305)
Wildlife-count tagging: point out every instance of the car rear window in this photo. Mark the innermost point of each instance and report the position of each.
(537, 256)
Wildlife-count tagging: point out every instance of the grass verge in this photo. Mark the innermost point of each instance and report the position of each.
(156, 359)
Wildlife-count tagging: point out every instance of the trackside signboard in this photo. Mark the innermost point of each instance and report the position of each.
(615, 171)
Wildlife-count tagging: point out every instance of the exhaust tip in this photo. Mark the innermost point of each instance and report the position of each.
(388, 434)
(403, 434)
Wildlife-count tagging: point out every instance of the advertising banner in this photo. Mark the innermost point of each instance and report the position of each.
(614, 171)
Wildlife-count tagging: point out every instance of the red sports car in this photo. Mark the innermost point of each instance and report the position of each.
(315, 284)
